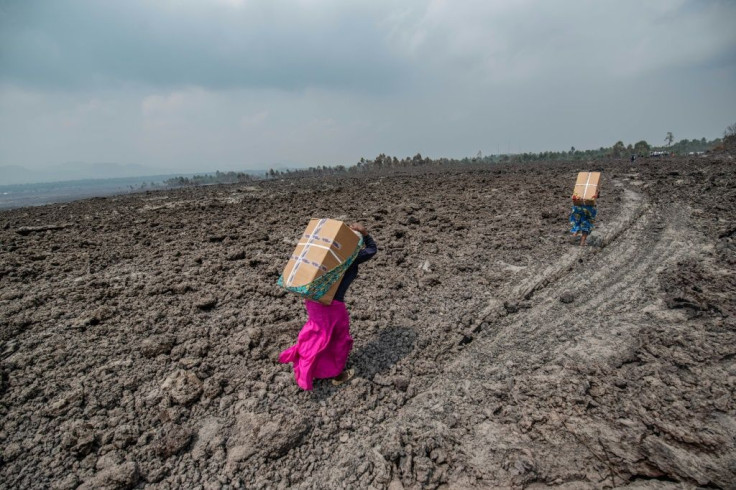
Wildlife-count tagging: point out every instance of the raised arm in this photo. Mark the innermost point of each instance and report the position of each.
(370, 248)
(368, 251)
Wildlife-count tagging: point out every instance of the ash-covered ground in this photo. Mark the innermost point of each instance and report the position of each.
(139, 335)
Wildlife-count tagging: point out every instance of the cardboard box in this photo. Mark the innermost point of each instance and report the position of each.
(586, 188)
(325, 245)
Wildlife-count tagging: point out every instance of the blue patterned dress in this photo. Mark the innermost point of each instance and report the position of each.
(582, 218)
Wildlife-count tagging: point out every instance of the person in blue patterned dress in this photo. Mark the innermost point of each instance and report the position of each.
(582, 220)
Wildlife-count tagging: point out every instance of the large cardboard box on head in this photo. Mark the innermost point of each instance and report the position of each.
(586, 188)
(326, 247)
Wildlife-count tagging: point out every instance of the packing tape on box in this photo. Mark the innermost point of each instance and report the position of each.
(585, 189)
(311, 238)
(326, 240)
(587, 183)
(337, 257)
(309, 262)
(316, 230)
(319, 286)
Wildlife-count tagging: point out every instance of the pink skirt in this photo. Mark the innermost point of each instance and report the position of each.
(323, 345)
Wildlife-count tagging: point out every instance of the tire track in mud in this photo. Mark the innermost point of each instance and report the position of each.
(620, 269)
(621, 277)
(620, 274)
(633, 208)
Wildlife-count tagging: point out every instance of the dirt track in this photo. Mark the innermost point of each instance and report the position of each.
(139, 335)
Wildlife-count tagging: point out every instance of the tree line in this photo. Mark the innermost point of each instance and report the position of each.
(385, 162)
(216, 178)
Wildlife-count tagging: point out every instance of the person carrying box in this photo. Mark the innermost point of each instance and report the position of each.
(584, 211)
(324, 342)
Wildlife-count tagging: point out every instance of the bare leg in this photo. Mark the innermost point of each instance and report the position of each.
(582, 240)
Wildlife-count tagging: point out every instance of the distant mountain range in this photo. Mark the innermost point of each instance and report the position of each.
(16, 174)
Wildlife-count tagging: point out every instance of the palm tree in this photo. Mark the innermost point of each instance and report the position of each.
(669, 138)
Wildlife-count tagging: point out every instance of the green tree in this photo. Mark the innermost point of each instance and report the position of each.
(669, 138)
(618, 149)
(641, 147)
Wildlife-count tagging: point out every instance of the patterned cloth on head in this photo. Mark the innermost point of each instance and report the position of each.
(323, 345)
(582, 218)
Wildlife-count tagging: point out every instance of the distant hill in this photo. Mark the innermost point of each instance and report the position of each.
(15, 174)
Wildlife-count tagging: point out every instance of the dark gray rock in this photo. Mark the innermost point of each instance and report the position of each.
(172, 440)
(567, 297)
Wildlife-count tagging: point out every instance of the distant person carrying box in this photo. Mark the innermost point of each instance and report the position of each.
(324, 342)
(584, 211)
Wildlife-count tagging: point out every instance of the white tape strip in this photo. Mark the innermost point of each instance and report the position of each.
(316, 230)
(585, 187)
(326, 248)
(309, 262)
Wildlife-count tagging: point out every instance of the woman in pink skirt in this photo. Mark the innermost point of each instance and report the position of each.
(324, 342)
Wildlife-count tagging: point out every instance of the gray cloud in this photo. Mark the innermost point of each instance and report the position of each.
(72, 44)
(232, 84)
(343, 45)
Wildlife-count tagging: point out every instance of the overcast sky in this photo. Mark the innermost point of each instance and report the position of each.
(195, 85)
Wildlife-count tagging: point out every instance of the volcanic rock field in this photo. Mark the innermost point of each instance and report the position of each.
(139, 335)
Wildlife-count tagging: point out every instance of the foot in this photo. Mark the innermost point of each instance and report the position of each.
(344, 376)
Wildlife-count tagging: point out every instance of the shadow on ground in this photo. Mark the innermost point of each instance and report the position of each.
(375, 357)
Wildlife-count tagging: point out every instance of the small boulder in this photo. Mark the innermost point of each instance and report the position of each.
(236, 255)
(206, 303)
(235, 456)
(156, 345)
(567, 297)
(511, 307)
(184, 387)
(401, 383)
(118, 477)
(209, 439)
(278, 436)
(125, 435)
(173, 440)
(81, 440)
